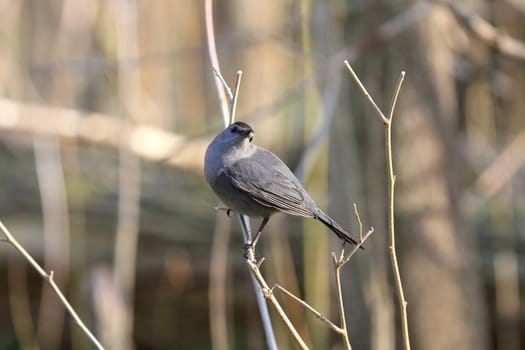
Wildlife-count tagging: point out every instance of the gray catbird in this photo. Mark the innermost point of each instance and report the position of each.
(253, 181)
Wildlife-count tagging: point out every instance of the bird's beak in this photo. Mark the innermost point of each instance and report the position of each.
(246, 131)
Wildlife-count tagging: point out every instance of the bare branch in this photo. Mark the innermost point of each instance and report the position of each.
(224, 84)
(338, 264)
(340, 304)
(307, 306)
(391, 183)
(396, 94)
(365, 92)
(268, 294)
(234, 97)
(391, 228)
(355, 248)
(49, 279)
(356, 213)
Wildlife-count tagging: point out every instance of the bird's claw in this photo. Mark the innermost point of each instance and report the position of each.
(247, 246)
(248, 249)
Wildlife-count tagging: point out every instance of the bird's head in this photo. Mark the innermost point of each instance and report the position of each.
(238, 135)
(229, 146)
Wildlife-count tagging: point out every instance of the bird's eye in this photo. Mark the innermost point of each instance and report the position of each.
(234, 128)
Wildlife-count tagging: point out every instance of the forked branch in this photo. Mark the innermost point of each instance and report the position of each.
(339, 262)
(387, 121)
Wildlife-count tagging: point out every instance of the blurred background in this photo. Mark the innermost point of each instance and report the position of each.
(106, 108)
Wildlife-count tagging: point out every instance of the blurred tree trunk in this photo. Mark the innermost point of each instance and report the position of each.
(438, 263)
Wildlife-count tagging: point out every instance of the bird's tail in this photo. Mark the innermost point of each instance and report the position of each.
(335, 227)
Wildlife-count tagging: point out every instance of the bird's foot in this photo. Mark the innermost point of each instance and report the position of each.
(249, 250)
(249, 255)
(247, 246)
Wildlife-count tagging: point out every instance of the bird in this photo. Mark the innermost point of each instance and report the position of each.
(253, 181)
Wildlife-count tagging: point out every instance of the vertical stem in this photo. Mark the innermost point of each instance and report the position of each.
(391, 229)
(392, 237)
(340, 304)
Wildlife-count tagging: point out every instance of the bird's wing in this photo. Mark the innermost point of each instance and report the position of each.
(269, 182)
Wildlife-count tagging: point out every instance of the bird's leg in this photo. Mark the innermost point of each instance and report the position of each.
(246, 230)
(258, 234)
(249, 247)
(247, 233)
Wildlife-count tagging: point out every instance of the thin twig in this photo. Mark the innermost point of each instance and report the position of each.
(49, 279)
(391, 183)
(365, 92)
(307, 306)
(258, 286)
(261, 287)
(234, 97)
(340, 304)
(338, 264)
(396, 95)
(358, 218)
(224, 85)
(355, 248)
(268, 294)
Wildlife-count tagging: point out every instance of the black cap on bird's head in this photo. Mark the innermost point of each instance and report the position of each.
(242, 128)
